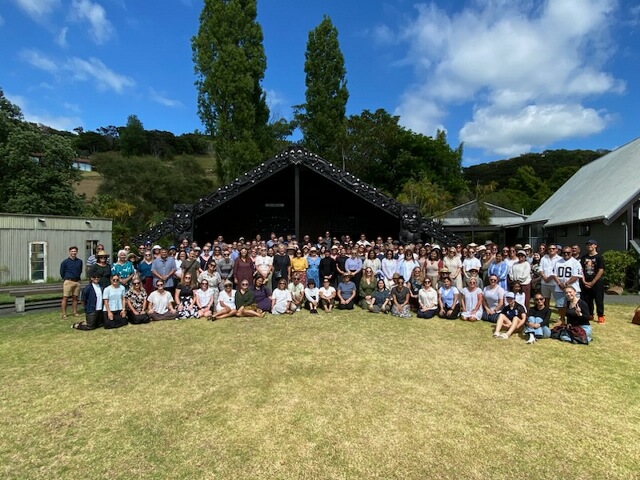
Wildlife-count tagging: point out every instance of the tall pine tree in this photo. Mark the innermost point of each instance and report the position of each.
(322, 117)
(230, 63)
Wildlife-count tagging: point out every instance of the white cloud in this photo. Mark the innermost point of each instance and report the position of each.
(61, 38)
(81, 70)
(85, 10)
(517, 65)
(59, 122)
(38, 60)
(37, 9)
(162, 99)
(105, 78)
(274, 99)
(513, 132)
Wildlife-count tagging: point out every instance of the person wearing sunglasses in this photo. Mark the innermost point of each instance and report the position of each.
(245, 301)
(161, 303)
(136, 300)
(226, 306)
(114, 310)
(537, 324)
(567, 272)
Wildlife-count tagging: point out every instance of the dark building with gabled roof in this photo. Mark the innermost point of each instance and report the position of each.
(296, 192)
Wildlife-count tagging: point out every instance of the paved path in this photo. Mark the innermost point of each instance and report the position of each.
(622, 299)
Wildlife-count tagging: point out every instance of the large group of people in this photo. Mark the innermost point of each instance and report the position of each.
(510, 287)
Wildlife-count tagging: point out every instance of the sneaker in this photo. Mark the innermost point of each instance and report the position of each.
(531, 341)
(601, 319)
(503, 336)
(496, 334)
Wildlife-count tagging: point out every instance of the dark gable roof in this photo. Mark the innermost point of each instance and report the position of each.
(296, 156)
(184, 215)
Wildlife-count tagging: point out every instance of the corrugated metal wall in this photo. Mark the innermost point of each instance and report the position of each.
(17, 232)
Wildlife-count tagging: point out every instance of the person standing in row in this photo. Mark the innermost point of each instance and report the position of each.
(70, 272)
(592, 285)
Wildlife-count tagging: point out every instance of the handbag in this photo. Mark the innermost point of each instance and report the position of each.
(636, 317)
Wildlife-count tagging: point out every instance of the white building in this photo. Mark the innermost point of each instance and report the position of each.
(32, 246)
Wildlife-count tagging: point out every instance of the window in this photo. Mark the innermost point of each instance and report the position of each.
(561, 231)
(584, 229)
(38, 262)
(90, 248)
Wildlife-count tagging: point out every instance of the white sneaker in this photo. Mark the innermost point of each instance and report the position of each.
(496, 334)
(531, 341)
(503, 336)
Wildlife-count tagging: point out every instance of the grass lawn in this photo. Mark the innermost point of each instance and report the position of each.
(351, 395)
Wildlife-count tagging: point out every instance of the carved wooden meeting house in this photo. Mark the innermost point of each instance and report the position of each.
(296, 192)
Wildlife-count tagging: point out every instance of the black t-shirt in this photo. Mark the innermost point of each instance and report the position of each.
(590, 266)
(511, 313)
(280, 264)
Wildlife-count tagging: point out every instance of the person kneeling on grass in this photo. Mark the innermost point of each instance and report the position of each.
(161, 304)
(512, 317)
(346, 293)
(448, 300)
(537, 325)
(91, 297)
(312, 296)
(400, 296)
(115, 315)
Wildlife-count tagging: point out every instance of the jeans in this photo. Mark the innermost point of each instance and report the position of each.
(540, 332)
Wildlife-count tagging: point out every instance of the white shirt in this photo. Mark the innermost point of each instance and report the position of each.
(160, 301)
(327, 293)
(565, 269)
(546, 267)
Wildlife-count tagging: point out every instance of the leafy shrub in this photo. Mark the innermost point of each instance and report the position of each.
(616, 264)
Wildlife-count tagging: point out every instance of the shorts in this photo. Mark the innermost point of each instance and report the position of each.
(547, 291)
(70, 288)
(490, 317)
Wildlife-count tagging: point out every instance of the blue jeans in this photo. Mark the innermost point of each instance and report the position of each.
(587, 330)
(540, 332)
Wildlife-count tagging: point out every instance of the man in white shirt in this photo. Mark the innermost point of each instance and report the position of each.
(567, 273)
(547, 263)
(264, 265)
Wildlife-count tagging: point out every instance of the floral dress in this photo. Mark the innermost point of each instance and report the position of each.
(313, 272)
(185, 297)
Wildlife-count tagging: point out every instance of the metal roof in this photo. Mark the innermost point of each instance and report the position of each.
(599, 191)
(466, 214)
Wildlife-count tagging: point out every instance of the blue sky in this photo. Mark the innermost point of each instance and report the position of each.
(504, 77)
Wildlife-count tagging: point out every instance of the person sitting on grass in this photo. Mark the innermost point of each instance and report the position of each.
(226, 306)
(327, 295)
(346, 293)
(312, 296)
(91, 297)
(245, 302)
(206, 298)
(296, 288)
(492, 300)
(380, 298)
(512, 317)
(448, 300)
(184, 298)
(261, 293)
(427, 300)
(161, 304)
(281, 301)
(471, 301)
(537, 325)
(577, 313)
(400, 297)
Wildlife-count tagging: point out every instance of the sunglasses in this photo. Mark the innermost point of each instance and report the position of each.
(136, 283)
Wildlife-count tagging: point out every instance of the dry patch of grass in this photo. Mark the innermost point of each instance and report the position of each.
(352, 395)
(88, 184)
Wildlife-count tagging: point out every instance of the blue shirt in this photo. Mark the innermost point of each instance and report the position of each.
(71, 269)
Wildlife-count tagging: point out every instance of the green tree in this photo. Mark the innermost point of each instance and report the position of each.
(322, 117)
(37, 167)
(430, 198)
(230, 63)
(133, 138)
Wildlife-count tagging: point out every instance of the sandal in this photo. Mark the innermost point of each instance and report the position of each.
(64, 316)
